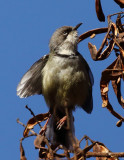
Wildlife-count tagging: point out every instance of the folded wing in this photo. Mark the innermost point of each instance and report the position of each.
(88, 105)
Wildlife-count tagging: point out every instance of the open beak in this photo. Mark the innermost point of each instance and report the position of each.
(77, 26)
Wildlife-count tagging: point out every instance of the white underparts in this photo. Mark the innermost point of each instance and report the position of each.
(69, 45)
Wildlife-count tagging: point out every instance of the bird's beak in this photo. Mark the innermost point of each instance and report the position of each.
(77, 26)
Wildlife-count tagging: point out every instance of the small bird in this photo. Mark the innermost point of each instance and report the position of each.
(65, 80)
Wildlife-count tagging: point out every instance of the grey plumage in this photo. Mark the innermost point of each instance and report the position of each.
(31, 82)
(63, 77)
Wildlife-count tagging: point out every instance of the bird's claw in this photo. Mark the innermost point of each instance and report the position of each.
(61, 122)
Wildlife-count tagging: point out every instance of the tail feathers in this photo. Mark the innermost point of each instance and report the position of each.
(60, 137)
(88, 105)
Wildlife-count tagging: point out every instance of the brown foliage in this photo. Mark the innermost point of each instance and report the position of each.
(113, 72)
(34, 121)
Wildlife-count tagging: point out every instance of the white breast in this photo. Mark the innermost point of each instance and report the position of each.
(64, 79)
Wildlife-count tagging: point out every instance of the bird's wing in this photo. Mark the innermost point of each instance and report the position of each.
(88, 104)
(31, 82)
(90, 74)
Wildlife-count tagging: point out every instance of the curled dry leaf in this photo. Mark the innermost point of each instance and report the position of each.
(103, 149)
(97, 55)
(120, 3)
(34, 121)
(94, 53)
(111, 73)
(99, 11)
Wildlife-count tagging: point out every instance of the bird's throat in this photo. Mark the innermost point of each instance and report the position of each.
(67, 49)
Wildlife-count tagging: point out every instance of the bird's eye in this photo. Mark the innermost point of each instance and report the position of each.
(65, 33)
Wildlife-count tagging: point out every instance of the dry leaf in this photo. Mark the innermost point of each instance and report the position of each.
(34, 121)
(99, 11)
(103, 149)
(120, 3)
(119, 123)
(90, 32)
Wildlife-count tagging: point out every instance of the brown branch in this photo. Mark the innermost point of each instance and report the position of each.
(99, 154)
(18, 121)
(22, 152)
(86, 138)
(109, 16)
(108, 155)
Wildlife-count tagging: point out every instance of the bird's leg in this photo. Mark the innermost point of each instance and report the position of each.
(68, 118)
(61, 122)
(43, 129)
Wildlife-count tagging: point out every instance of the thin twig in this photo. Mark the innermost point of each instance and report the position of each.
(86, 137)
(18, 121)
(108, 155)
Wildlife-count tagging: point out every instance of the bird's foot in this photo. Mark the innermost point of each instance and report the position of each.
(61, 122)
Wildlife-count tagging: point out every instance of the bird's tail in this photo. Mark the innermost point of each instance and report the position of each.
(63, 136)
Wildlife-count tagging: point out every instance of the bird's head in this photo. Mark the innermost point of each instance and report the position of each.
(65, 37)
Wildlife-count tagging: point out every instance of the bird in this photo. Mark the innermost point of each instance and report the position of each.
(65, 80)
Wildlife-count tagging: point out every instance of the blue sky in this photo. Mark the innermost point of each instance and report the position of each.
(25, 29)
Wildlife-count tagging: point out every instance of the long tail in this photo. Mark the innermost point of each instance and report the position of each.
(65, 136)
